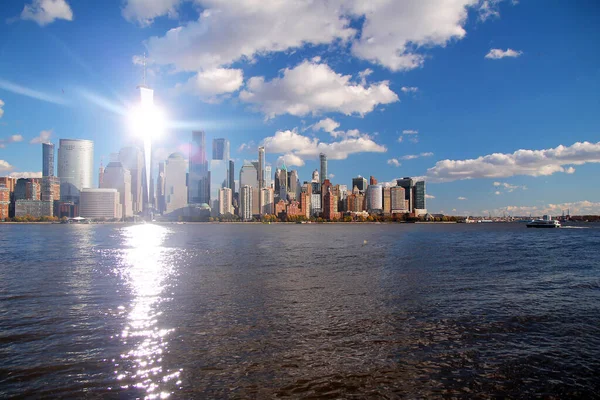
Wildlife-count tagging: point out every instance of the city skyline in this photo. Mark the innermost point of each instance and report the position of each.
(513, 98)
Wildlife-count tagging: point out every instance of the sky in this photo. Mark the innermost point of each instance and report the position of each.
(495, 103)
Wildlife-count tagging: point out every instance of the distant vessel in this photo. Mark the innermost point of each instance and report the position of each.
(484, 221)
(545, 222)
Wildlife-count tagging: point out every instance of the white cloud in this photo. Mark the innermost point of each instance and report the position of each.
(5, 166)
(45, 12)
(394, 162)
(229, 31)
(427, 154)
(570, 170)
(25, 174)
(521, 162)
(429, 196)
(1, 110)
(496, 54)
(43, 137)
(461, 198)
(311, 88)
(489, 9)
(331, 176)
(363, 76)
(213, 82)
(409, 157)
(144, 11)
(400, 139)
(410, 132)
(290, 160)
(327, 125)
(394, 30)
(497, 192)
(292, 143)
(15, 138)
(508, 187)
(409, 89)
(584, 207)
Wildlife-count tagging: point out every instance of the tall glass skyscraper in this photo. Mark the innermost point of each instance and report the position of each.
(323, 159)
(47, 159)
(419, 195)
(360, 183)
(75, 167)
(220, 149)
(199, 183)
(408, 184)
(231, 174)
(261, 167)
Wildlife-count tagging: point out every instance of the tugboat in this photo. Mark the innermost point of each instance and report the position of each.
(545, 222)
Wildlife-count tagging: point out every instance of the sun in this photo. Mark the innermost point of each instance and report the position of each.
(147, 121)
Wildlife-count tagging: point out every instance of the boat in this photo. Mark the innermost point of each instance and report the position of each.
(545, 222)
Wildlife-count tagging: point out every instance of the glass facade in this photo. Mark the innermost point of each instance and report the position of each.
(199, 183)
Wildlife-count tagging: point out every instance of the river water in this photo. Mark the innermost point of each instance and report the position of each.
(299, 311)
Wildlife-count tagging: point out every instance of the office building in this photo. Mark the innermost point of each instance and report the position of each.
(20, 192)
(268, 177)
(398, 200)
(408, 184)
(50, 188)
(8, 182)
(160, 188)
(323, 159)
(116, 176)
(305, 203)
(218, 180)
(132, 159)
(33, 189)
(360, 183)
(225, 201)
(267, 201)
(249, 177)
(47, 159)
(199, 180)
(292, 186)
(315, 176)
(75, 167)
(175, 184)
(387, 200)
(220, 150)
(246, 201)
(419, 197)
(4, 203)
(34, 208)
(281, 181)
(100, 204)
(315, 204)
(231, 173)
(261, 167)
(375, 199)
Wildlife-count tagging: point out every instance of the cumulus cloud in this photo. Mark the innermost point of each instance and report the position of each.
(411, 89)
(25, 174)
(508, 187)
(584, 207)
(145, 11)
(394, 162)
(570, 170)
(290, 160)
(43, 137)
(497, 192)
(45, 12)
(15, 138)
(313, 88)
(296, 146)
(521, 162)
(410, 132)
(363, 76)
(5, 166)
(327, 125)
(331, 176)
(392, 33)
(211, 83)
(429, 196)
(496, 54)
(1, 110)
(461, 198)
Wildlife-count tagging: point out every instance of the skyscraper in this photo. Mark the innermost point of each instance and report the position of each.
(220, 149)
(261, 167)
(231, 173)
(218, 180)
(360, 183)
(323, 158)
(160, 188)
(131, 158)
(315, 176)
(199, 181)
(292, 187)
(268, 177)
(283, 182)
(419, 195)
(407, 183)
(267, 201)
(249, 177)
(225, 201)
(398, 200)
(118, 177)
(246, 201)
(47, 159)
(375, 199)
(75, 167)
(175, 184)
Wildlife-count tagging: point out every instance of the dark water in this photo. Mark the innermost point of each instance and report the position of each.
(289, 311)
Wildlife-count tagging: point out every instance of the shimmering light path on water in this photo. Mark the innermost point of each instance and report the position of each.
(262, 311)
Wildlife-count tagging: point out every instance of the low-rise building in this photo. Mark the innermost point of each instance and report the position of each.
(100, 203)
(4, 203)
(34, 208)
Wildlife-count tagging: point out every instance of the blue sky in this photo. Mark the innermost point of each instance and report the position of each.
(474, 95)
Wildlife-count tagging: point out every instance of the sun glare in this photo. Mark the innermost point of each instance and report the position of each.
(147, 121)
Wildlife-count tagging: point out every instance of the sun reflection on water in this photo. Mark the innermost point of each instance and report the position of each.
(146, 270)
